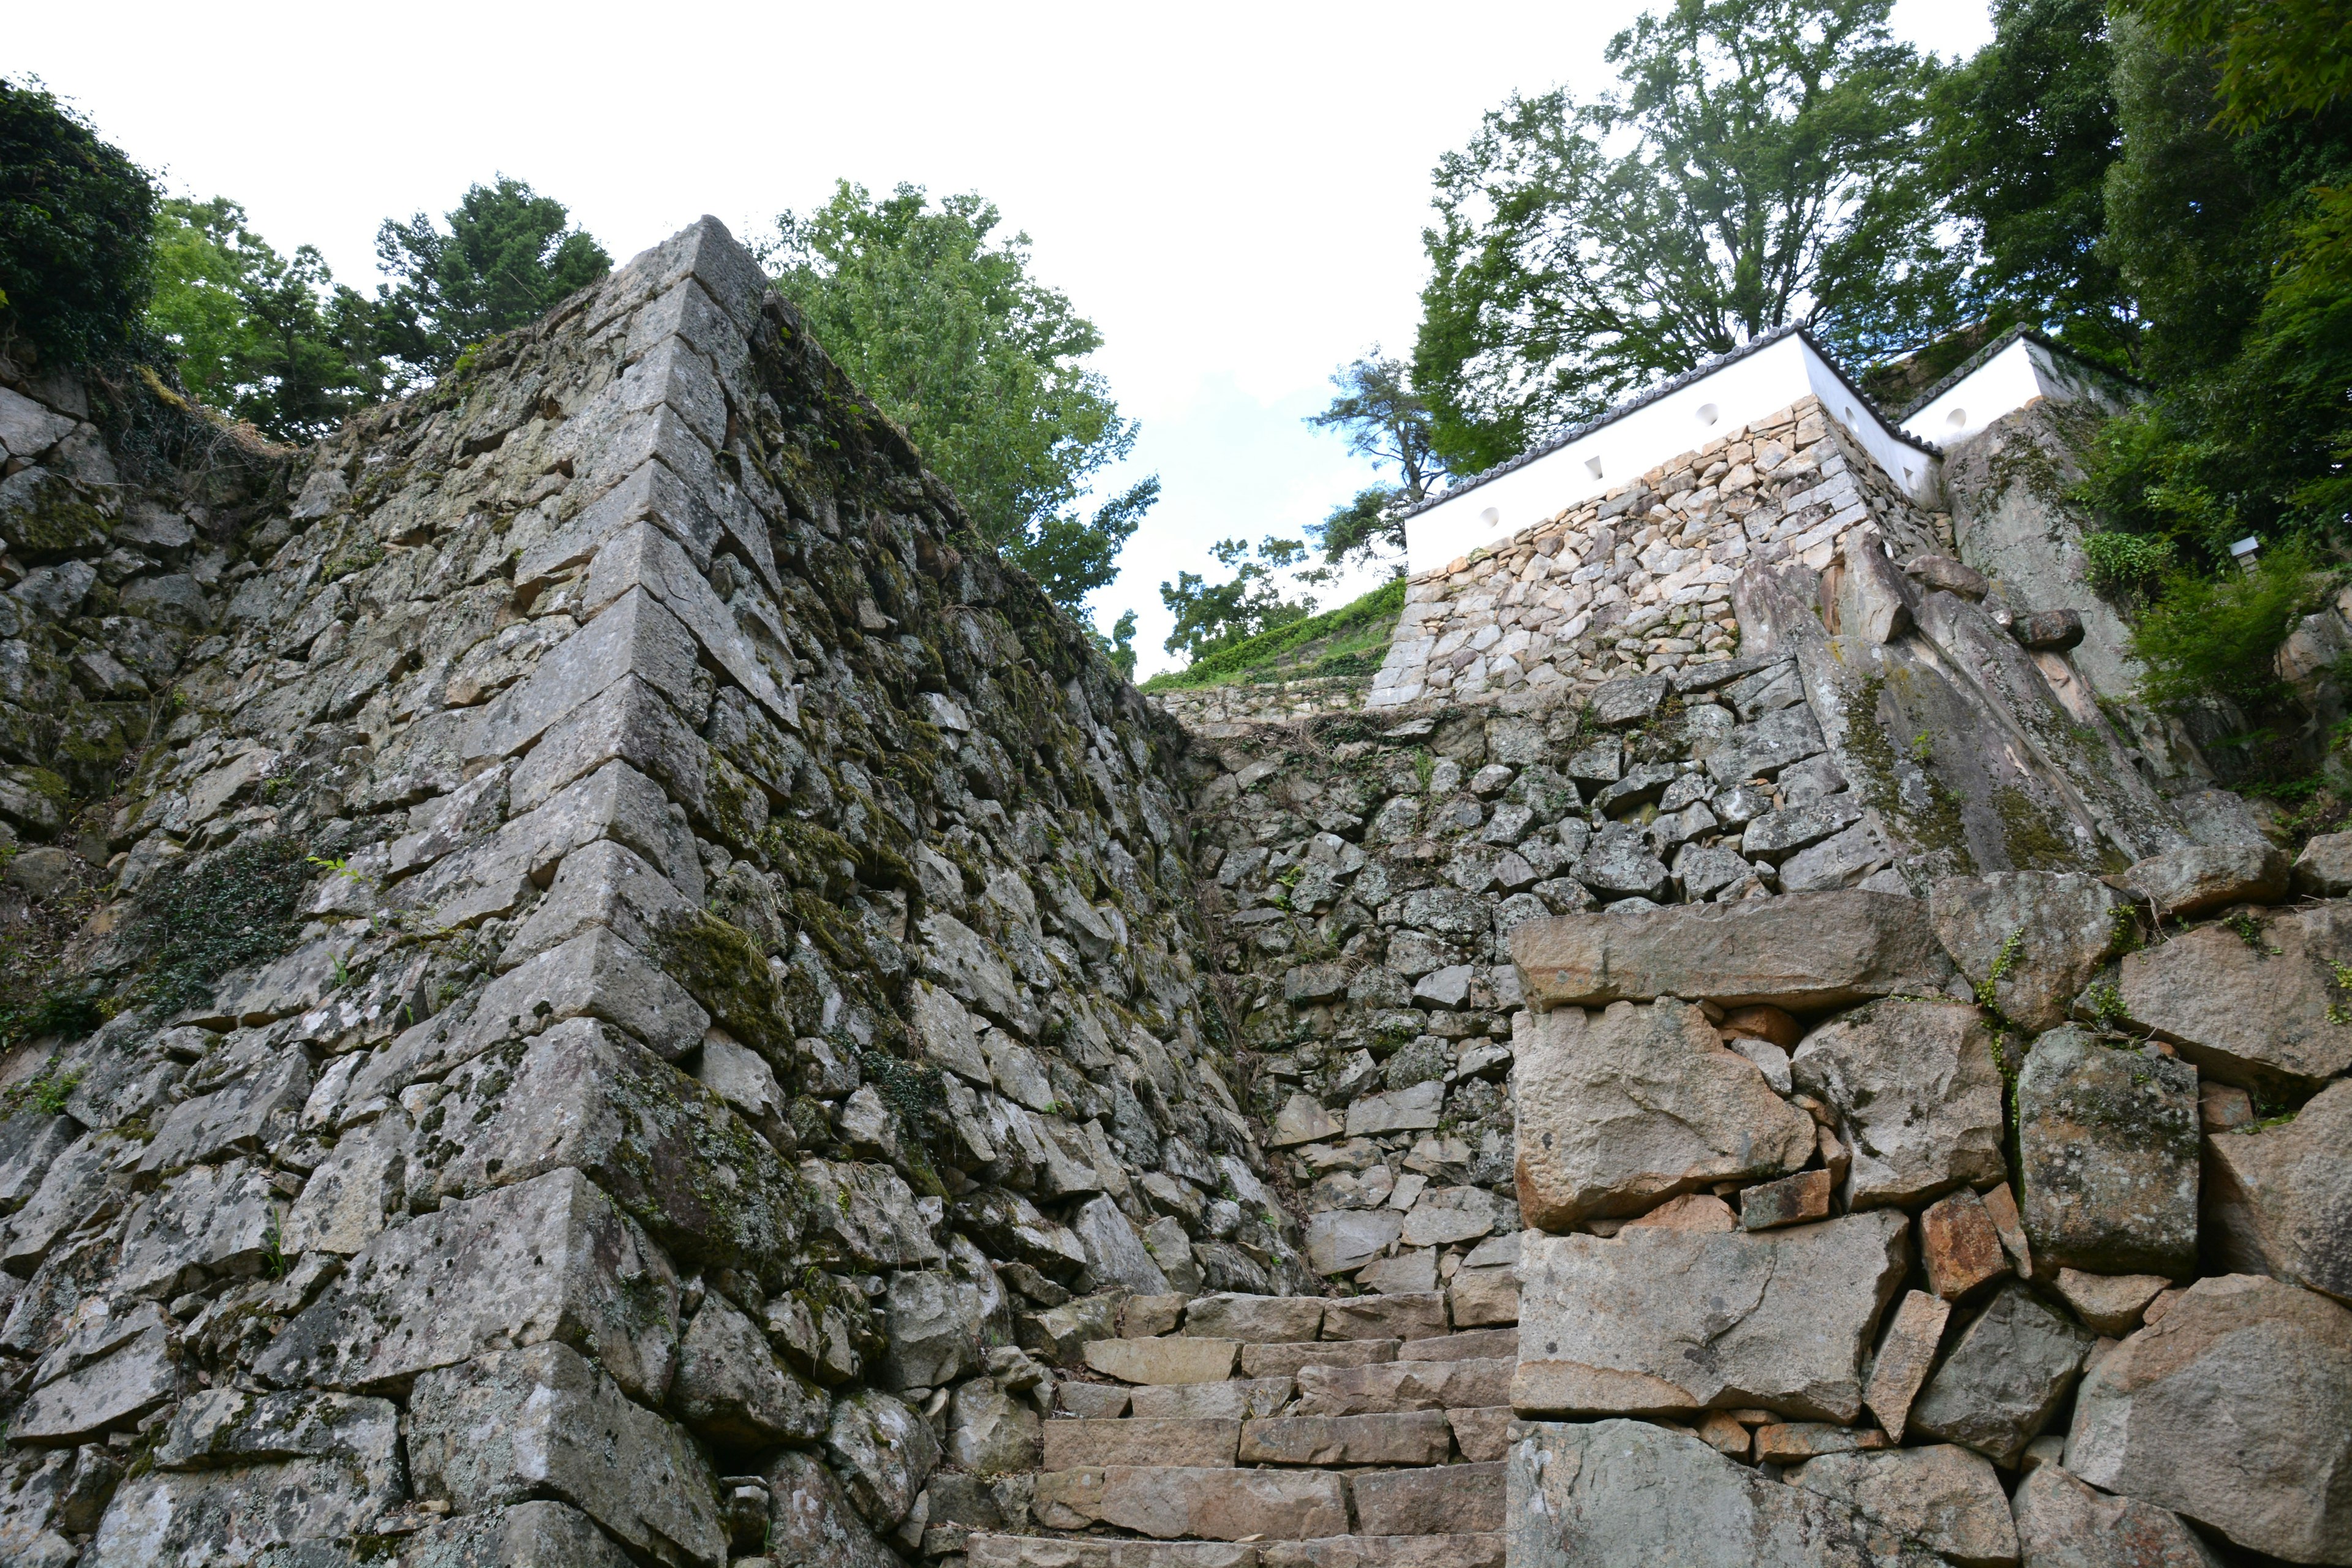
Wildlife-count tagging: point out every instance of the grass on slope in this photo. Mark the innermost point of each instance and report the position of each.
(1349, 640)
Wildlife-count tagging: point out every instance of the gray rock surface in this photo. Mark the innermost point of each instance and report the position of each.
(2003, 1378)
(989, 1431)
(1917, 1093)
(2263, 1362)
(811, 1522)
(731, 1388)
(2278, 1198)
(1942, 1497)
(2106, 1139)
(2047, 932)
(514, 1425)
(2203, 877)
(1658, 1321)
(884, 1452)
(524, 1535)
(2254, 1014)
(2061, 1523)
(450, 1285)
(1622, 1109)
(1810, 951)
(2324, 869)
(1590, 1496)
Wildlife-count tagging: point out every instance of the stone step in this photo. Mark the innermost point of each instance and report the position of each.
(1139, 1440)
(1235, 1399)
(1266, 1320)
(1481, 1433)
(1170, 1502)
(1441, 1501)
(1403, 1385)
(1174, 1502)
(1484, 1551)
(1056, 1551)
(1416, 1315)
(1414, 1438)
(1285, 1360)
(1470, 1344)
(1169, 1359)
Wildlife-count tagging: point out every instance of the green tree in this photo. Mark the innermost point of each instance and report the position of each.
(2276, 56)
(986, 367)
(2023, 134)
(507, 259)
(74, 220)
(2230, 229)
(1385, 420)
(1212, 616)
(266, 338)
(1759, 162)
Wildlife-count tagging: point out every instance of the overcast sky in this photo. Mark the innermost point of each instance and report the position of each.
(1234, 194)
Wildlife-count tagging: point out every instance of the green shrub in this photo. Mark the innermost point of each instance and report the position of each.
(76, 220)
(2216, 636)
(1384, 602)
(2120, 562)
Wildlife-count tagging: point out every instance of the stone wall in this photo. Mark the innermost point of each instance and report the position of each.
(1638, 581)
(1202, 708)
(633, 926)
(1970, 1229)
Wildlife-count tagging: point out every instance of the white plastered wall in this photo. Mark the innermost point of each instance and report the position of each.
(1713, 405)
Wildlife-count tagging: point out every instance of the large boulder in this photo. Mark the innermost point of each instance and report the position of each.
(1943, 1497)
(2005, 1378)
(1917, 1093)
(1621, 1110)
(733, 1388)
(543, 1422)
(2106, 1145)
(2036, 937)
(1626, 1494)
(1804, 952)
(2235, 1408)
(1656, 1321)
(2254, 1010)
(940, 1320)
(884, 1451)
(2061, 1523)
(2278, 1196)
(2199, 877)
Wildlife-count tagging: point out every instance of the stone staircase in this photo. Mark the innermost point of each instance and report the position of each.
(1237, 1431)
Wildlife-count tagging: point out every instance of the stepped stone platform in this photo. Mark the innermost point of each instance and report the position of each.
(1271, 1432)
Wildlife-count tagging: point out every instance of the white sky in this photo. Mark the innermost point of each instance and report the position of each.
(1234, 194)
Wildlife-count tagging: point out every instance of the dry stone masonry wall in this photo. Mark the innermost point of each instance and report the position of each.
(641, 974)
(1638, 581)
(1982, 1228)
(606, 988)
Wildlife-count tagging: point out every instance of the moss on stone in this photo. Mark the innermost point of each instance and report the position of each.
(2033, 842)
(723, 968)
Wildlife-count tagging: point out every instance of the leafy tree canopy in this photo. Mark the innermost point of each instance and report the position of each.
(2276, 56)
(1758, 163)
(2238, 245)
(507, 259)
(1213, 616)
(74, 220)
(986, 367)
(2023, 137)
(266, 338)
(1385, 420)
